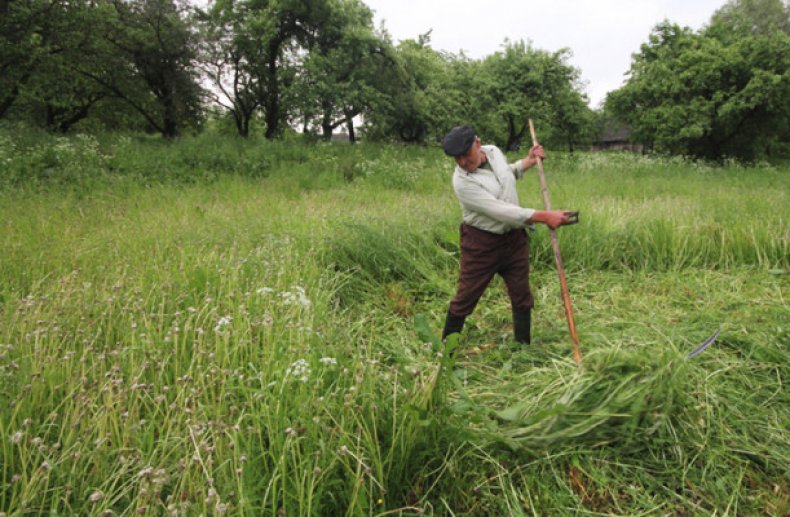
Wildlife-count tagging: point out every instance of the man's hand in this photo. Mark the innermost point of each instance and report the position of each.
(534, 153)
(554, 218)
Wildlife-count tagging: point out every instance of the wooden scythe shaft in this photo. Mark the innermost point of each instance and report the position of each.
(555, 244)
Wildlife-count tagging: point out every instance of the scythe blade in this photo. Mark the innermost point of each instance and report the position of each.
(705, 344)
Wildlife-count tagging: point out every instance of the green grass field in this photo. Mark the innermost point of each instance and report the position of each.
(248, 328)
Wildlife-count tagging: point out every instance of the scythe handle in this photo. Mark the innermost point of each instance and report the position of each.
(566, 297)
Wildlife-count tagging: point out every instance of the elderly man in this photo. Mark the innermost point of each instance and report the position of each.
(493, 236)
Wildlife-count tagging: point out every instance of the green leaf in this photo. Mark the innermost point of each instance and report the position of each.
(424, 332)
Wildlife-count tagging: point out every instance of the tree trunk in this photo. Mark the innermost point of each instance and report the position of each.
(237, 119)
(60, 121)
(514, 136)
(326, 122)
(170, 127)
(272, 100)
(272, 119)
(244, 130)
(349, 114)
(352, 137)
(9, 100)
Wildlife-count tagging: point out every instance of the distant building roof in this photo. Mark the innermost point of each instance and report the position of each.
(614, 131)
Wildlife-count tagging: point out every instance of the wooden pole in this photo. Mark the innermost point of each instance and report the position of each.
(555, 244)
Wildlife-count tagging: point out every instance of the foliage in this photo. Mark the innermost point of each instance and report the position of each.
(224, 60)
(717, 93)
(496, 95)
(154, 37)
(34, 35)
(743, 18)
(62, 60)
(47, 88)
(313, 66)
(521, 82)
(425, 98)
(346, 71)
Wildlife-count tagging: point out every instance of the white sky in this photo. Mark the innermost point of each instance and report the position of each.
(602, 34)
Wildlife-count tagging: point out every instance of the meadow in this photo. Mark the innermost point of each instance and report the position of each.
(224, 327)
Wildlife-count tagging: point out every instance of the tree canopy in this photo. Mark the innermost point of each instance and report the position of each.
(315, 66)
(307, 65)
(715, 93)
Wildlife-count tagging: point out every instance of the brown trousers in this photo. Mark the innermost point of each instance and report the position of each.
(484, 254)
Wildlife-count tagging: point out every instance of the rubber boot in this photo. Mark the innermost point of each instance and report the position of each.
(522, 323)
(453, 324)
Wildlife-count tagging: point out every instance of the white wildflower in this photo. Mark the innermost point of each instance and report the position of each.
(96, 497)
(17, 437)
(296, 296)
(299, 369)
(328, 360)
(224, 321)
(264, 291)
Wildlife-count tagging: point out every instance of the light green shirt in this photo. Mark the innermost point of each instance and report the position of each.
(488, 197)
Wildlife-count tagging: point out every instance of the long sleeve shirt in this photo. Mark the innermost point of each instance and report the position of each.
(488, 196)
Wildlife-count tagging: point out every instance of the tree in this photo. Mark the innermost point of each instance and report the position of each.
(146, 57)
(421, 71)
(33, 33)
(345, 71)
(224, 61)
(281, 27)
(426, 96)
(523, 83)
(739, 18)
(692, 94)
(264, 52)
(56, 95)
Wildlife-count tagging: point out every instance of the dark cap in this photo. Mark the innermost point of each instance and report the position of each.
(458, 140)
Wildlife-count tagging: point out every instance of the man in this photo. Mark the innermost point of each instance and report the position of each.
(493, 236)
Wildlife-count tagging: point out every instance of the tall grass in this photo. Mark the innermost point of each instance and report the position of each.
(249, 328)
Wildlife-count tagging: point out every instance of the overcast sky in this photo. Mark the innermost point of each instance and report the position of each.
(602, 34)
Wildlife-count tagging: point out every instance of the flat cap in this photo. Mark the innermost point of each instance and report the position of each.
(458, 140)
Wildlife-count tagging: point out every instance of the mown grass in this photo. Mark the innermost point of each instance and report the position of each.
(249, 328)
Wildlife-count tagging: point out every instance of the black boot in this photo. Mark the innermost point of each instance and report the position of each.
(522, 323)
(453, 324)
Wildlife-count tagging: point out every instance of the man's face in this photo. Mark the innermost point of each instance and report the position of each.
(472, 159)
